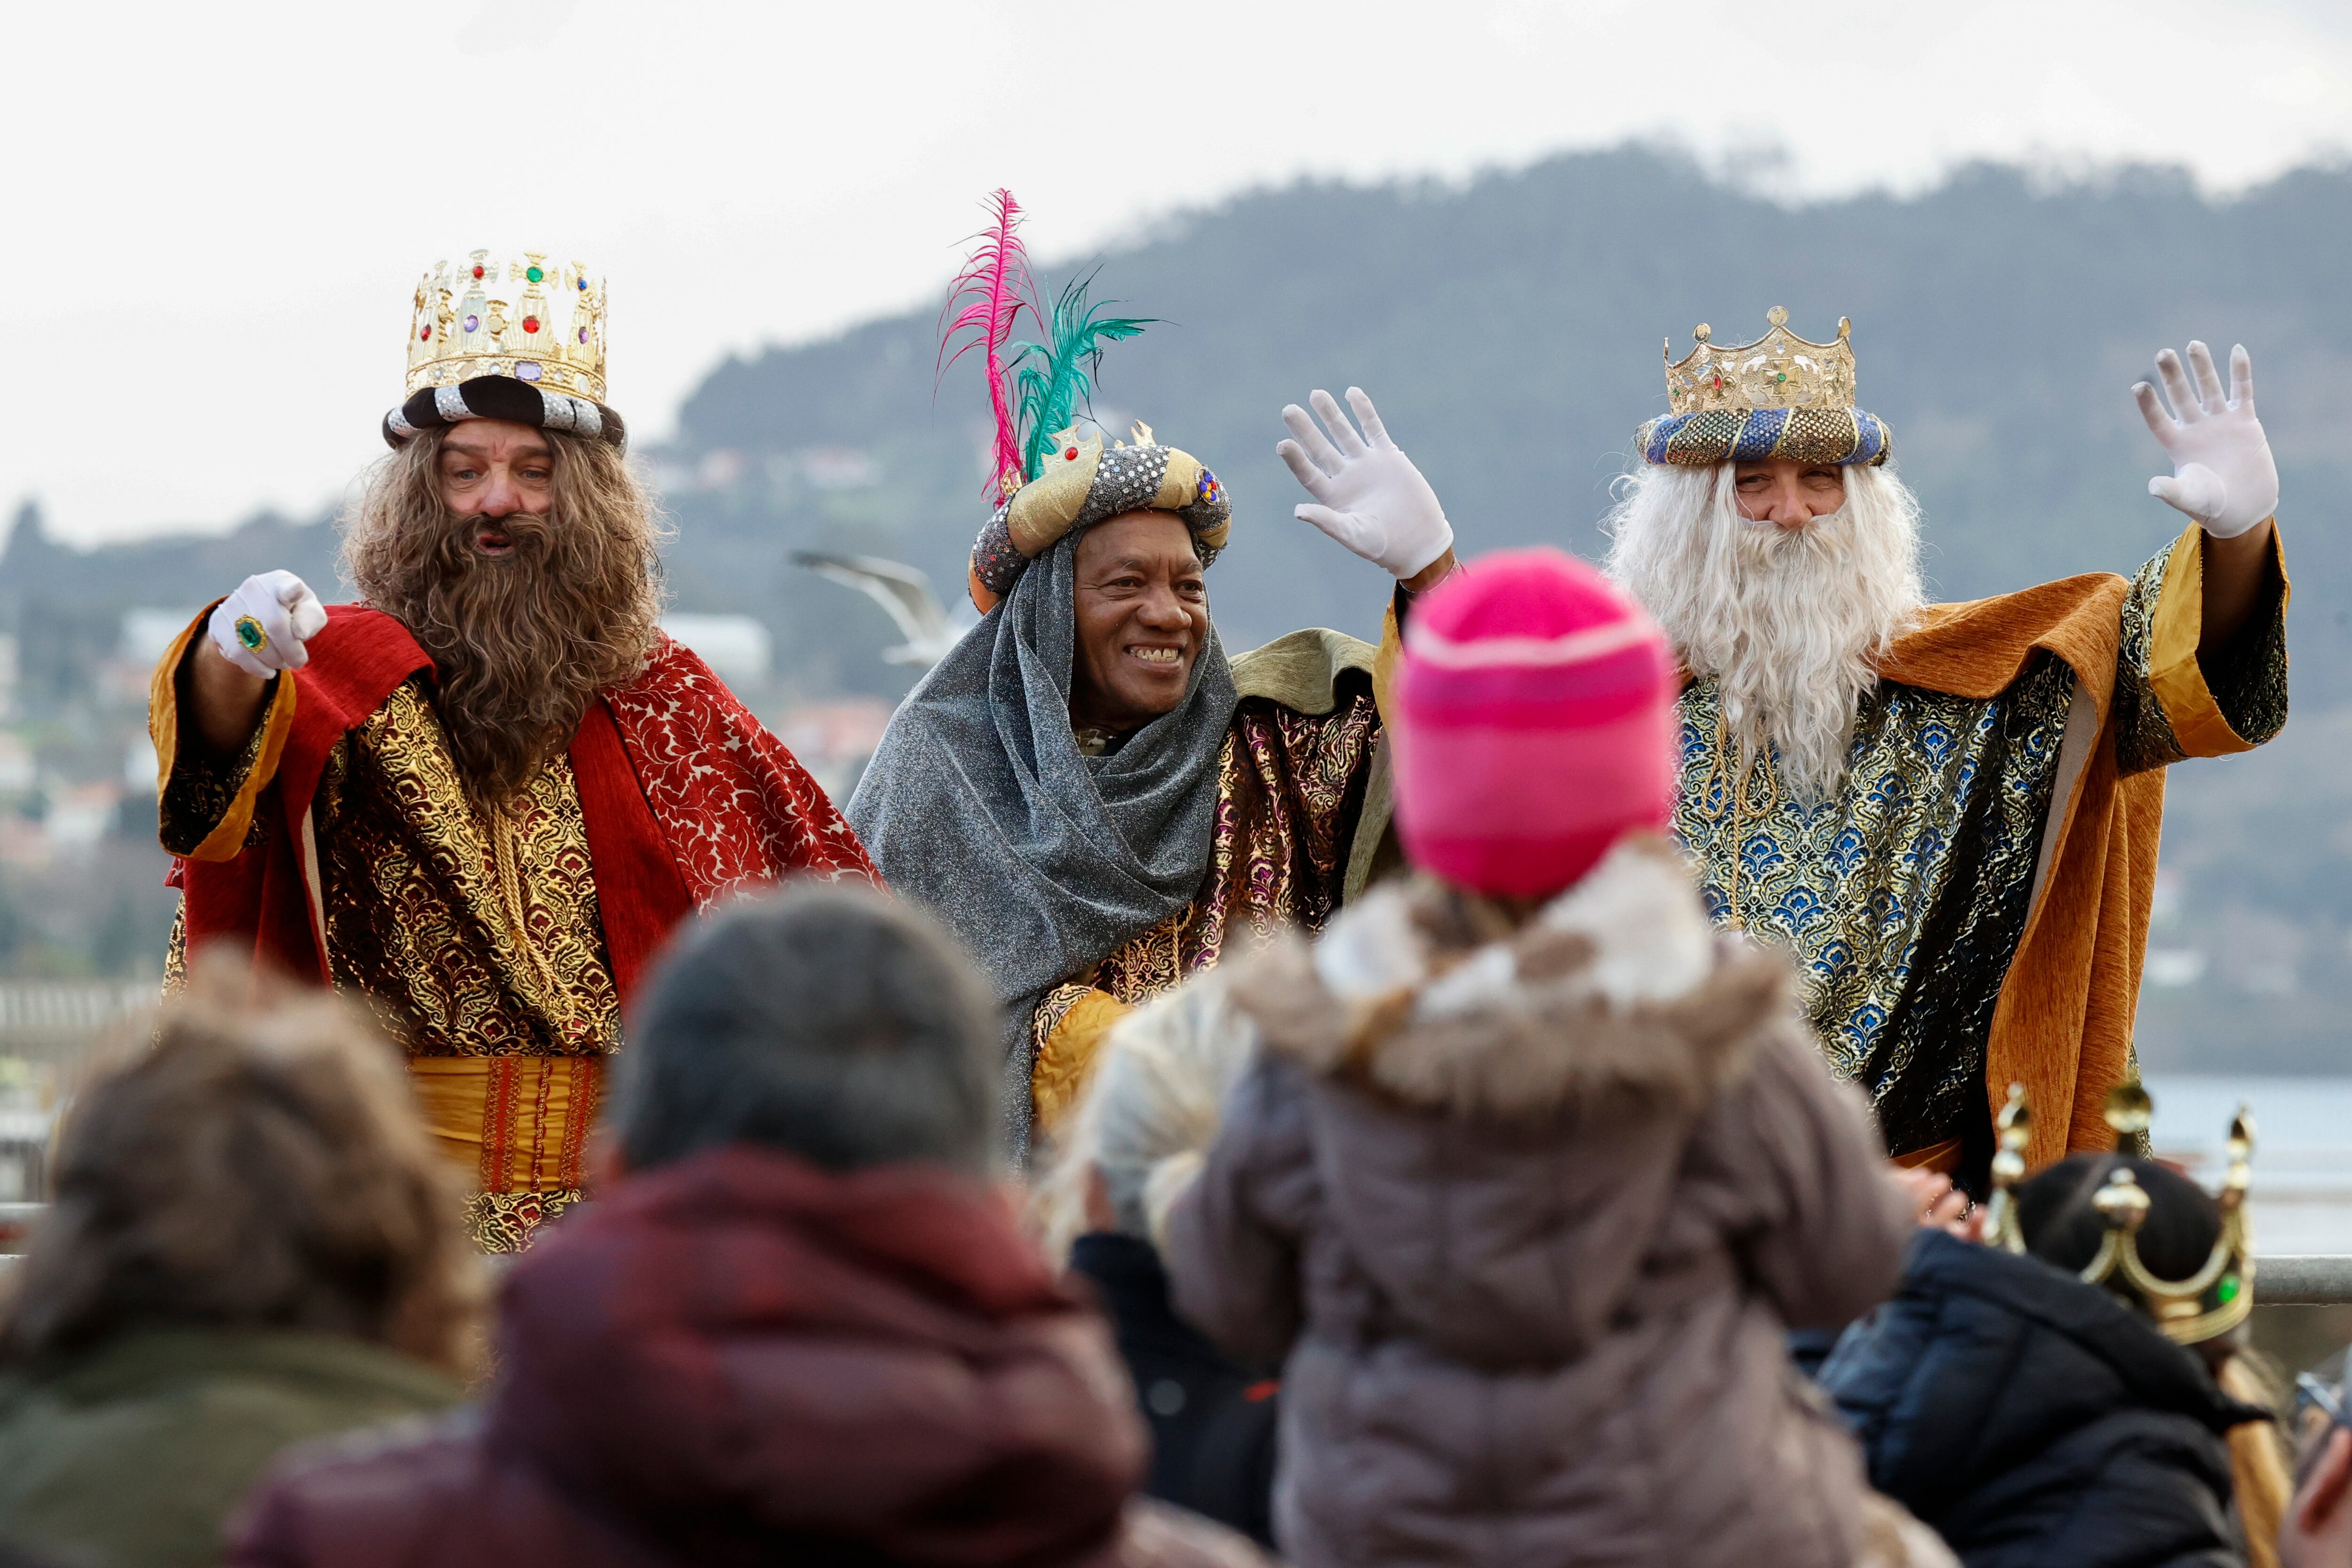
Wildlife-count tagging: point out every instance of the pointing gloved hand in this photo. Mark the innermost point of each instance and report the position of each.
(262, 626)
(2222, 473)
(1368, 495)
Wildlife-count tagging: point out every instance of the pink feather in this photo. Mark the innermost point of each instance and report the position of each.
(988, 296)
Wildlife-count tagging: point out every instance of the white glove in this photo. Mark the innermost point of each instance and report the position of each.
(262, 626)
(1372, 499)
(2222, 473)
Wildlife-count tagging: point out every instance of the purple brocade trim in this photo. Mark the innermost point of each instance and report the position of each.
(995, 563)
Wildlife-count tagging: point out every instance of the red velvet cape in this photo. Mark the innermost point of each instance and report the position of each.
(685, 798)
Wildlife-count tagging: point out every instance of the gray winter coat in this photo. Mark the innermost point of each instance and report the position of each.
(1523, 1215)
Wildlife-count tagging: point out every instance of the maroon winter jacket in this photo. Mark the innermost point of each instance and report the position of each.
(742, 1358)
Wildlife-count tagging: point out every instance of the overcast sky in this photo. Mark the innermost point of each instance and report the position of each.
(215, 214)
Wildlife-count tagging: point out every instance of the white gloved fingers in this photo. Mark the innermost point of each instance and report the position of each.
(1345, 530)
(2196, 490)
(300, 613)
(308, 617)
(1317, 483)
(1343, 433)
(284, 650)
(1318, 446)
(262, 662)
(1370, 418)
(2159, 423)
(2209, 397)
(2241, 378)
(284, 612)
(303, 611)
(2177, 390)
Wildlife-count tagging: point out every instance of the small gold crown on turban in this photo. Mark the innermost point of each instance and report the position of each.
(2209, 1302)
(521, 315)
(1778, 369)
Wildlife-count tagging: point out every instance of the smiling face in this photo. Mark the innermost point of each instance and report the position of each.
(490, 471)
(1142, 618)
(1786, 493)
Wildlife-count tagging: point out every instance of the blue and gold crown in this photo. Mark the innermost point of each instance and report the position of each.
(1780, 396)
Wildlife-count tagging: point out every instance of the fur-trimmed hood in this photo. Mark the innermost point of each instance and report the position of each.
(1618, 990)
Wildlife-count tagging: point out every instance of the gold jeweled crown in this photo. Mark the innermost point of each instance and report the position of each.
(2209, 1302)
(520, 316)
(1778, 369)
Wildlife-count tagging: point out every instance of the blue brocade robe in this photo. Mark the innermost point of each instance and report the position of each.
(1906, 898)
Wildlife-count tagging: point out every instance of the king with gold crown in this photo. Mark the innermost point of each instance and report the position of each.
(481, 796)
(1948, 814)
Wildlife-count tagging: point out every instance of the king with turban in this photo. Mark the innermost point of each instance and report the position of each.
(1087, 790)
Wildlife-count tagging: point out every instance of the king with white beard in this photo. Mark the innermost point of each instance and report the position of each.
(1946, 813)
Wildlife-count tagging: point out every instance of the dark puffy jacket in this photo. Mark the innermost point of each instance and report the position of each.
(744, 1359)
(2033, 1419)
(1212, 1419)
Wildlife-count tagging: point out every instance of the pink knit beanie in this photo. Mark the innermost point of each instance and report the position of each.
(1534, 724)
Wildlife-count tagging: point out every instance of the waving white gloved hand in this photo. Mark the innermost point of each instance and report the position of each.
(2222, 473)
(262, 626)
(1369, 497)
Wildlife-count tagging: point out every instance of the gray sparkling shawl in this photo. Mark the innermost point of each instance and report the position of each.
(979, 805)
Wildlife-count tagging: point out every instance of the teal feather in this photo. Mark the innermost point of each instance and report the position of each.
(1051, 383)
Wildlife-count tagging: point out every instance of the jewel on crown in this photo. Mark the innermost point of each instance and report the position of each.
(522, 316)
(1778, 369)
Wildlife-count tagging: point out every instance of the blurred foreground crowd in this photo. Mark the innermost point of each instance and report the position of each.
(1482, 1230)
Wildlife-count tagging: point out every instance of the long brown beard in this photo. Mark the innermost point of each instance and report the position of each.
(521, 643)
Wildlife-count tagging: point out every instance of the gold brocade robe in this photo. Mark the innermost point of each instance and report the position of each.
(1971, 908)
(475, 937)
(1302, 804)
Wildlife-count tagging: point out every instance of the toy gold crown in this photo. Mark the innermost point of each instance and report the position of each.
(2209, 1302)
(520, 316)
(1778, 369)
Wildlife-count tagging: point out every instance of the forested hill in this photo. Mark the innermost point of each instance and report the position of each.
(1511, 330)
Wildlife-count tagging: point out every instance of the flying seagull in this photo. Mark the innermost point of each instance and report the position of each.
(906, 594)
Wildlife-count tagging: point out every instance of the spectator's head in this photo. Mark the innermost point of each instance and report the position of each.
(824, 1021)
(2316, 1532)
(261, 1165)
(2059, 1217)
(1534, 724)
(1147, 1116)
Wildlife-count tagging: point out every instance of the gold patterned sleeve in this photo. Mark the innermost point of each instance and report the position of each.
(206, 803)
(1068, 1027)
(2169, 705)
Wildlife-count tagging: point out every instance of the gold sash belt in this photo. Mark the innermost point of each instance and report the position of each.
(517, 1123)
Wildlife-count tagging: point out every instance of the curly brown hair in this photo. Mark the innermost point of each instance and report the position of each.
(261, 1165)
(522, 643)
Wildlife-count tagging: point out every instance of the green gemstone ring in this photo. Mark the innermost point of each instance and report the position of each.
(249, 632)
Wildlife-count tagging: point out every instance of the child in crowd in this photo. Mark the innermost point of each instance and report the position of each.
(1135, 1137)
(2318, 1530)
(1534, 1173)
(2036, 1405)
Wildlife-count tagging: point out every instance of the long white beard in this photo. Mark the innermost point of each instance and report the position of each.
(1790, 622)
